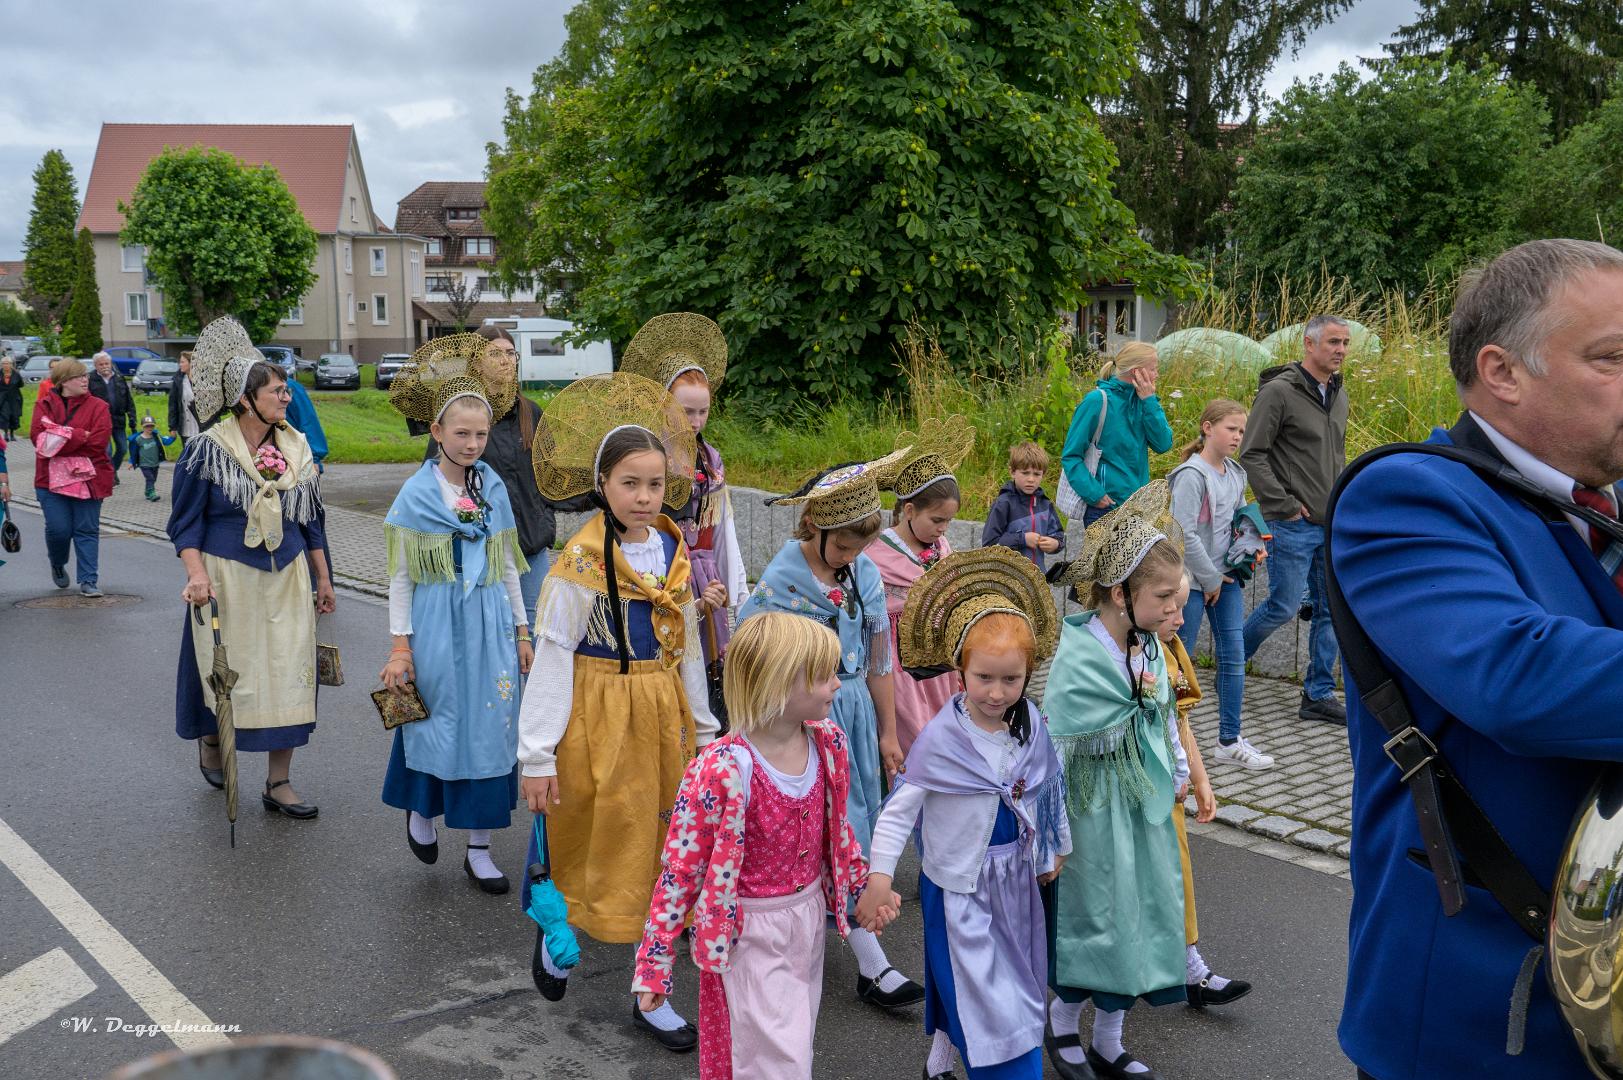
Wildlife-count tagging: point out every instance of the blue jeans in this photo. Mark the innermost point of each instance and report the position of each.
(75, 520)
(1296, 570)
(529, 582)
(1228, 642)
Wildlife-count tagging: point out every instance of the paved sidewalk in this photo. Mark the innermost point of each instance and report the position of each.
(1303, 800)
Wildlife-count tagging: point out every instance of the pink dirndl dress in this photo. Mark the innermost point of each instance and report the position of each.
(758, 1019)
(917, 701)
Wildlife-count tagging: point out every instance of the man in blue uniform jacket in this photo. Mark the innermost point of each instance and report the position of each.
(1504, 633)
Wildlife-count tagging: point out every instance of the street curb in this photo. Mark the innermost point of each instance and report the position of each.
(1281, 828)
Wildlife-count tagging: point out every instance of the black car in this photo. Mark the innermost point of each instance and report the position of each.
(337, 371)
(155, 376)
(282, 356)
(389, 365)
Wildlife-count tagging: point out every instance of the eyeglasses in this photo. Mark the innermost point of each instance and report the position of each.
(284, 392)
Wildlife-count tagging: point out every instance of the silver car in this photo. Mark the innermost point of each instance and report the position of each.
(389, 365)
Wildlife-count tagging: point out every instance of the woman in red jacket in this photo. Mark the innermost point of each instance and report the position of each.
(71, 482)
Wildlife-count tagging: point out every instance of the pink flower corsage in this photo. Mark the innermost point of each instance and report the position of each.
(836, 596)
(699, 477)
(929, 556)
(467, 511)
(270, 462)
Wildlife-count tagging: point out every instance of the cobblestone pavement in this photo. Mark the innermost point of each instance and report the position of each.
(1302, 801)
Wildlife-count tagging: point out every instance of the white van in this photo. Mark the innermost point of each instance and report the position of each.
(543, 360)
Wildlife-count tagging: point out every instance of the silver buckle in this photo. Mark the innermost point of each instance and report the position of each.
(1400, 740)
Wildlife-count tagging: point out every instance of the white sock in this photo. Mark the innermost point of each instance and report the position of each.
(1107, 1038)
(478, 856)
(871, 960)
(1064, 1018)
(941, 1051)
(552, 969)
(422, 828)
(1198, 970)
(665, 1018)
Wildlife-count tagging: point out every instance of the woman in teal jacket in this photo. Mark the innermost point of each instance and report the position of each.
(1134, 425)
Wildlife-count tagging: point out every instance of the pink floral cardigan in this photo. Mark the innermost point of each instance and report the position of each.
(704, 851)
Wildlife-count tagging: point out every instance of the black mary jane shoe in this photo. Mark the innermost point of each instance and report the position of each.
(297, 811)
(909, 993)
(948, 1075)
(1117, 1070)
(429, 853)
(495, 886)
(680, 1041)
(1054, 1044)
(1202, 995)
(551, 987)
(214, 777)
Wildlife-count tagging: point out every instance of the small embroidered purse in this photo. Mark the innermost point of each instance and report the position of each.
(329, 667)
(400, 706)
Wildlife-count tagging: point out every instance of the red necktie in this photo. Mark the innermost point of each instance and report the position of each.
(1608, 551)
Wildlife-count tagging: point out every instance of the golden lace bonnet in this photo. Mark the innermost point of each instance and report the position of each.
(445, 369)
(569, 439)
(962, 588)
(677, 342)
(1114, 545)
(221, 360)
(846, 494)
(934, 451)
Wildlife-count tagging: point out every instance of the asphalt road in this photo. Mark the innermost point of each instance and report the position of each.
(332, 928)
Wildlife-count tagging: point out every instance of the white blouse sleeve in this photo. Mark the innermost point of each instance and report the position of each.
(893, 828)
(515, 593)
(400, 590)
(735, 575)
(561, 617)
(694, 683)
(1180, 775)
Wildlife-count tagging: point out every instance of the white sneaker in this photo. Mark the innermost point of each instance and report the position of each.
(1243, 754)
(1268, 759)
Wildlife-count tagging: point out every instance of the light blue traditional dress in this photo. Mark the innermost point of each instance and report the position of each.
(1115, 915)
(991, 815)
(454, 588)
(864, 630)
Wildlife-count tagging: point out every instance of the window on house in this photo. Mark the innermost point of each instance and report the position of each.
(463, 213)
(436, 248)
(295, 316)
(351, 308)
(438, 282)
(133, 258)
(135, 309)
(416, 275)
(380, 309)
(380, 261)
(352, 215)
(545, 346)
(349, 259)
(484, 283)
(478, 245)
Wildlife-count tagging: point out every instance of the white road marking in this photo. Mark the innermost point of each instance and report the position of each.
(39, 988)
(156, 995)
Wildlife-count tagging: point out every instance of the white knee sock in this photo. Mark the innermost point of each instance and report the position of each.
(664, 1018)
(1107, 1038)
(941, 1051)
(552, 969)
(1064, 1018)
(871, 959)
(422, 828)
(1198, 970)
(479, 857)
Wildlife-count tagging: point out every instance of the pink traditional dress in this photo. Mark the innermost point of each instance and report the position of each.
(917, 701)
(759, 859)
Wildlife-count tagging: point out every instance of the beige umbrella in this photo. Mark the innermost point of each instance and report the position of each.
(221, 679)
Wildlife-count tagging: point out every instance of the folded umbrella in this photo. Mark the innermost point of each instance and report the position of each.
(221, 679)
(545, 904)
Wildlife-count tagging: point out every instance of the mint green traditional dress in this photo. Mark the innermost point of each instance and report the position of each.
(1115, 915)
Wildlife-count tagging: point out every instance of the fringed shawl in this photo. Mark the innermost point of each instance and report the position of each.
(1107, 741)
(422, 532)
(581, 564)
(789, 585)
(221, 456)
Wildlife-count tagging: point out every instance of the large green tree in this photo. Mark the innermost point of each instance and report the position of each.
(1190, 107)
(81, 327)
(1569, 49)
(48, 248)
(1577, 191)
(222, 238)
(1388, 182)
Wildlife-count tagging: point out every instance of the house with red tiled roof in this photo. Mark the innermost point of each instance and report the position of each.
(11, 283)
(461, 249)
(367, 275)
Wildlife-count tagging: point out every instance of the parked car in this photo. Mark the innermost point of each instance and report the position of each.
(155, 376)
(283, 357)
(389, 365)
(36, 368)
(303, 363)
(127, 358)
(337, 371)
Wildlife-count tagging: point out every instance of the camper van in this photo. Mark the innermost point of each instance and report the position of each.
(544, 360)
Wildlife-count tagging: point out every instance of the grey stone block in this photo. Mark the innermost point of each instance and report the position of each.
(1237, 815)
(1317, 840)
(1276, 827)
(1343, 849)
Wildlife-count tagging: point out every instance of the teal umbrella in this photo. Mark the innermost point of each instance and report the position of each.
(545, 904)
(1285, 344)
(1206, 350)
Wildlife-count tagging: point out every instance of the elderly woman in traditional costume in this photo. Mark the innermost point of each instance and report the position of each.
(248, 524)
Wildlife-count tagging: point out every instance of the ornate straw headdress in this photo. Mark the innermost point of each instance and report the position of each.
(961, 589)
(445, 369)
(667, 345)
(569, 439)
(846, 494)
(221, 360)
(1114, 545)
(936, 449)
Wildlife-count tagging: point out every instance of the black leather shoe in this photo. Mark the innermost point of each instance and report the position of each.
(426, 853)
(1054, 1044)
(552, 988)
(215, 777)
(59, 577)
(298, 811)
(680, 1041)
(948, 1075)
(1202, 995)
(909, 993)
(494, 886)
(1329, 710)
(1117, 1070)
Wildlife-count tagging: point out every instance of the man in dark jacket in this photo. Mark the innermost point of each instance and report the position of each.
(107, 384)
(1295, 447)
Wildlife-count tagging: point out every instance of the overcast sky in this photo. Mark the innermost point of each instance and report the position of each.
(421, 81)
